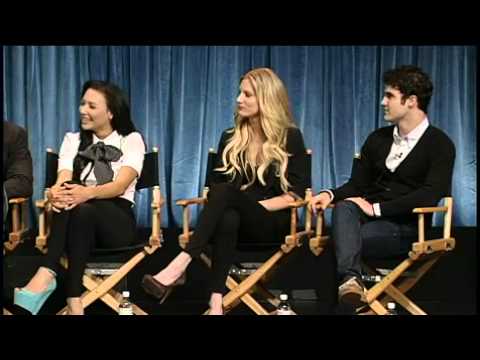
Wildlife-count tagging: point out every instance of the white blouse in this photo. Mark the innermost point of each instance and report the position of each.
(132, 147)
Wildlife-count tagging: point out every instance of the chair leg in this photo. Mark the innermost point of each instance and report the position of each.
(251, 280)
(271, 298)
(6, 312)
(247, 299)
(397, 293)
(232, 284)
(113, 279)
(378, 308)
(408, 283)
(100, 289)
(404, 301)
(111, 298)
(376, 290)
(137, 310)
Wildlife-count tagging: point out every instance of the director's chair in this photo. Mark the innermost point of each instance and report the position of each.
(392, 284)
(107, 267)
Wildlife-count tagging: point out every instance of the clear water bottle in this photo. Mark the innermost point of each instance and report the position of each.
(371, 278)
(284, 307)
(125, 307)
(392, 308)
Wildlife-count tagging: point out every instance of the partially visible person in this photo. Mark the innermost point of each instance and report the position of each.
(17, 164)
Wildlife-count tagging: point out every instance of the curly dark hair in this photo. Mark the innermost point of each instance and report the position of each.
(410, 80)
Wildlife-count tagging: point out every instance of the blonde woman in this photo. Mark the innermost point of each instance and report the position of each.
(261, 160)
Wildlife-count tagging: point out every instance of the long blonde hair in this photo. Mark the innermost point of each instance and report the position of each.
(275, 118)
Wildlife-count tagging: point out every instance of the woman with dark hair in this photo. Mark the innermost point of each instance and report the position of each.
(93, 196)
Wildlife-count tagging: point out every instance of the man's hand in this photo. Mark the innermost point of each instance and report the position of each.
(320, 201)
(366, 207)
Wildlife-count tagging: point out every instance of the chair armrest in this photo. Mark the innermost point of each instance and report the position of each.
(427, 210)
(18, 200)
(41, 203)
(330, 206)
(187, 202)
(297, 204)
(157, 204)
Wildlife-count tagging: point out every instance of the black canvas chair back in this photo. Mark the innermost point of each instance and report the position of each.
(51, 166)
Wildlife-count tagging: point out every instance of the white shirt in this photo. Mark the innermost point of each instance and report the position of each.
(132, 147)
(400, 149)
(402, 146)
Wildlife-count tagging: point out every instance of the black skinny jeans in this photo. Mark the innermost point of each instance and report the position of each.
(105, 223)
(228, 215)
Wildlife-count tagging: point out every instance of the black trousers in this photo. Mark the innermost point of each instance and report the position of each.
(231, 214)
(105, 223)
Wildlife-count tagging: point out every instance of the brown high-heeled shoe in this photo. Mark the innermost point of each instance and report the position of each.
(159, 291)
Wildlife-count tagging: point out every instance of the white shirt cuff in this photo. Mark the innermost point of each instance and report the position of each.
(329, 193)
(376, 210)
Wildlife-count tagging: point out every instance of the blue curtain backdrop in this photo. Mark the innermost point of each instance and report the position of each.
(182, 97)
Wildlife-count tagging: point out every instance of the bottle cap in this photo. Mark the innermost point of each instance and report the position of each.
(126, 293)
(283, 297)
(391, 305)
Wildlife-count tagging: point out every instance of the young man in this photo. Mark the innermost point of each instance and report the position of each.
(406, 165)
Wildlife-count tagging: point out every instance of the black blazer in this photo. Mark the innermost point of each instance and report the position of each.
(17, 161)
(421, 179)
(296, 169)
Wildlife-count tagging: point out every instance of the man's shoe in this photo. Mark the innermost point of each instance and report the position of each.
(352, 292)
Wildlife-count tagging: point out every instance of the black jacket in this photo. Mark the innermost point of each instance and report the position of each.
(421, 179)
(296, 170)
(17, 161)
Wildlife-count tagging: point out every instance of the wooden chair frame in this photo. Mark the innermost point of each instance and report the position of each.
(19, 212)
(423, 255)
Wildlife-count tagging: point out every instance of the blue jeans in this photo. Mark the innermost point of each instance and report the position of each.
(356, 235)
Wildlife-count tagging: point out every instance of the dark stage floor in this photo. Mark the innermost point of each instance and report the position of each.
(448, 289)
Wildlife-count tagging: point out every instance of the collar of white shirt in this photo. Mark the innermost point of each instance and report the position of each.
(112, 139)
(412, 136)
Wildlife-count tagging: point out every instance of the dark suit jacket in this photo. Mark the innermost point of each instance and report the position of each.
(17, 161)
(421, 180)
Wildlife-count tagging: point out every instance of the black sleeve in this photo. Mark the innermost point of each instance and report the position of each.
(19, 174)
(361, 176)
(297, 163)
(437, 183)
